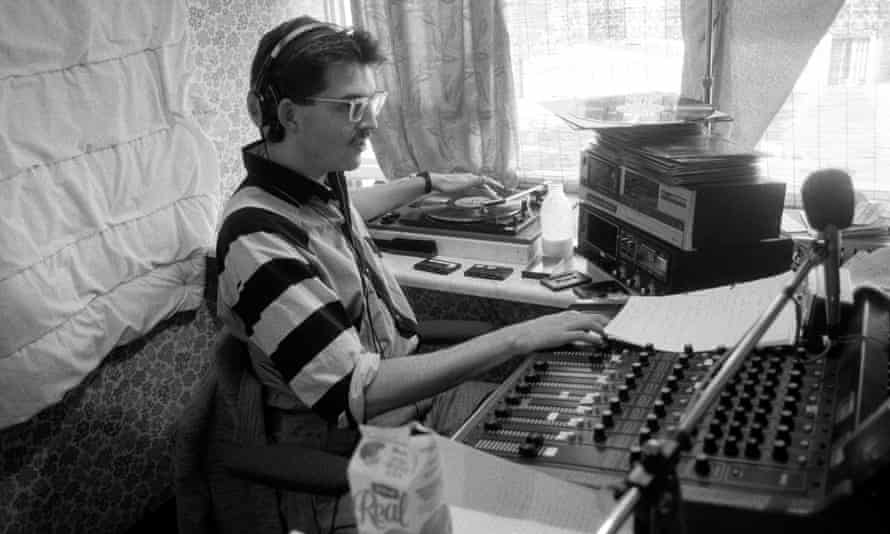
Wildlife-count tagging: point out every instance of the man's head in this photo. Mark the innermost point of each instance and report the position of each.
(313, 93)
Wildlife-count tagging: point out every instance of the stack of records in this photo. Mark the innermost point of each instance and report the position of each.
(682, 160)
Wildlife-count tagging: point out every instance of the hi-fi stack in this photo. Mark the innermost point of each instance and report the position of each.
(666, 211)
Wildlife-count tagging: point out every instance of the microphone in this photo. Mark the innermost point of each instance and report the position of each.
(827, 197)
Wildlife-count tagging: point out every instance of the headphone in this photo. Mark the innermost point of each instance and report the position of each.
(265, 93)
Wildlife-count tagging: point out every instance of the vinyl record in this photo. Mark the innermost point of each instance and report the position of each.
(470, 210)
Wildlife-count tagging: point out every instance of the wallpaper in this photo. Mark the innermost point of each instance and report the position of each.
(224, 36)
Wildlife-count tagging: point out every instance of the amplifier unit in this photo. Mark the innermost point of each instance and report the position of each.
(650, 266)
(689, 218)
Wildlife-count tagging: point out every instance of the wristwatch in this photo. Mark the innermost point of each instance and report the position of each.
(428, 182)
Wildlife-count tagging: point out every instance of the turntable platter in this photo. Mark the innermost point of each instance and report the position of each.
(472, 210)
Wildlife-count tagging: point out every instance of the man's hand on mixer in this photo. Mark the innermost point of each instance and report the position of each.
(558, 329)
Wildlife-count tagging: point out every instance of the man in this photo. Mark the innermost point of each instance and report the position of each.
(325, 322)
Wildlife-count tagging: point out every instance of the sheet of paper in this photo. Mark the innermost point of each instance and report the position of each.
(705, 319)
(870, 268)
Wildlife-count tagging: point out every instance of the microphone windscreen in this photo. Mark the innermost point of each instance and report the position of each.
(827, 197)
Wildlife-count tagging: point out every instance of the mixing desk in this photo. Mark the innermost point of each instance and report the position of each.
(764, 450)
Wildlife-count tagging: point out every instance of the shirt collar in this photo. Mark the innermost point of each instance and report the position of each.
(280, 181)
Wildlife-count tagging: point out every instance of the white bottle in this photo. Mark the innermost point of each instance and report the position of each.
(557, 224)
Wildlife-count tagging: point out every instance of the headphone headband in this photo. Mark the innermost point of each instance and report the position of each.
(279, 46)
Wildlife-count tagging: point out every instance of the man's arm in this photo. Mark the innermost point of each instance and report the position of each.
(401, 381)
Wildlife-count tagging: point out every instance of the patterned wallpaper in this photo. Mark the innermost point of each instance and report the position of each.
(224, 36)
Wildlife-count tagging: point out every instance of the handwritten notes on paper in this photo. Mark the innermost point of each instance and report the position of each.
(705, 319)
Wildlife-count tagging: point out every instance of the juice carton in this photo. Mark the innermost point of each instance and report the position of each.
(395, 478)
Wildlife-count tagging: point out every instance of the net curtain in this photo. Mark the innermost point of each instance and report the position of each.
(451, 104)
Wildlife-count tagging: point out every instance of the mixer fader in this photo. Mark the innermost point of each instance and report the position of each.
(584, 414)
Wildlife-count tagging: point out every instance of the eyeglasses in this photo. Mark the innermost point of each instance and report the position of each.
(358, 106)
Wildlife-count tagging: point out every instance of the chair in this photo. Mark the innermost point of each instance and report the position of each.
(222, 456)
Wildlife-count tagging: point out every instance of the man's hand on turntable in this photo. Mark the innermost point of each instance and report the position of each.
(455, 182)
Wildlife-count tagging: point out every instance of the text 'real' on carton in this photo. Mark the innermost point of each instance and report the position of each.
(395, 479)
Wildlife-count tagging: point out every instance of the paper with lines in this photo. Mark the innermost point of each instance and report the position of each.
(705, 319)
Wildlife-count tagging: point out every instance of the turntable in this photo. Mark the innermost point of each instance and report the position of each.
(472, 226)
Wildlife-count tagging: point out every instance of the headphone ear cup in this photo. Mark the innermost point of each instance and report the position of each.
(255, 107)
(270, 114)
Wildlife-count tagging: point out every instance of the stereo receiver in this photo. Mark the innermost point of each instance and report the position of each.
(689, 218)
(650, 266)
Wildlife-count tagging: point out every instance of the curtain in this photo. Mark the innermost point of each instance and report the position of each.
(451, 101)
(760, 48)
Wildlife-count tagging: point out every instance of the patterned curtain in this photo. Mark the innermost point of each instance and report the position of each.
(745, 85)
(451, 102)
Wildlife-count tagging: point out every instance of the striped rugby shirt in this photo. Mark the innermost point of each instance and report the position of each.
(290, 285)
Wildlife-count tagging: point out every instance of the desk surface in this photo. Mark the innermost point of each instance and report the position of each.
(514, 288)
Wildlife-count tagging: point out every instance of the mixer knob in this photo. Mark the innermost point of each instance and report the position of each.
(624, 393)
(783, 433)
(749, 387)
(789, 404)
(731, 387)
(726, 399)
(786, 418)
(702, 465)
(615, 405)
(715, 429)
(532, 377)
(710, 444)
(672, 382)
(761, 416)
(492, 425)
(752, 449)
(765, 403)
(735, 429)
(740, 416)
(512, 399)
(649, 347)
(683, 361)
(755, 432)
(769, 388)
(535, 438)
(720, 414)
(644, 358)
(665, 395)
(677, 370)
(630, 380)
(795, 376)
(798, 364)
(780, 451)
(540, 365)
(658, 408)
(528, 450)
(756, 363)
(501, 412)
(636, 454)
(793, 390)
(637, 369)
(599, 433)
(687, 348)
(745, 401)
(523, 388)
(731, 446)
(606, 418)
(652, 422)
(645, 434)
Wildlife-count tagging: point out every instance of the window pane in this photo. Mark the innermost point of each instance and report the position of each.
(583, 48)
(838, 112)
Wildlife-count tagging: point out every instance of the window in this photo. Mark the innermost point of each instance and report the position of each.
(838, 112)
(582, 48)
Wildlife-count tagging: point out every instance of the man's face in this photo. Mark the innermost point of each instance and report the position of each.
(328, 141)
